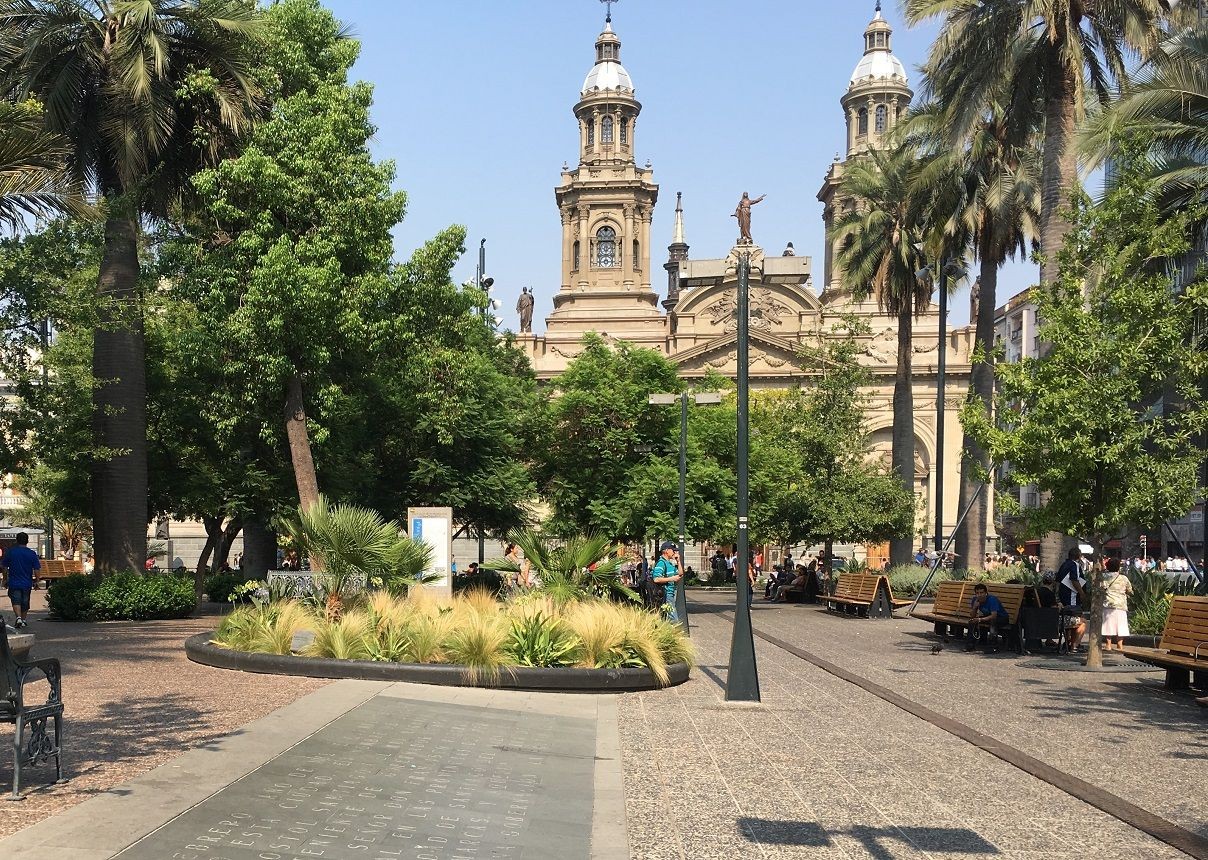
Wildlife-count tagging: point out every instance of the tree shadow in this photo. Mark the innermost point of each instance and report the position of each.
(810, 834)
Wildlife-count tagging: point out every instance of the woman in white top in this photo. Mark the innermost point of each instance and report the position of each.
(1117, 588)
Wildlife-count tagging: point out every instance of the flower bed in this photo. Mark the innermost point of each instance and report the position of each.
(532, 642)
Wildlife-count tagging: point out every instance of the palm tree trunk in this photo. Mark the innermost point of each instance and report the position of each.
(119, 399)
(1058, 176)
(299, 443)
(901, 549)
(971, 537)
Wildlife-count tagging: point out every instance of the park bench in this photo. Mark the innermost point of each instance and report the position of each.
(58, 568)
(864, 594)
(1184, 646)
(30, 719)
(952, 610)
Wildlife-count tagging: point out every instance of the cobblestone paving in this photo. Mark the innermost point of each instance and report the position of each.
(133, 702)
(822, 769)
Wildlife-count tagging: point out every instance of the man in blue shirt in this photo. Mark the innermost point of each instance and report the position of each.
(667, 573)
(21, 562)
(987, 609)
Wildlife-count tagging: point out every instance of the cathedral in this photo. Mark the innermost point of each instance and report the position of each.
(606, 203)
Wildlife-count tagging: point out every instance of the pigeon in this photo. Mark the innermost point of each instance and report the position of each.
(935, 649)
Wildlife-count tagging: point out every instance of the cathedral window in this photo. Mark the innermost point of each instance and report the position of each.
(636, 256)
(882, 116)
(606, 130)
(575, 267)
(591, 132)
(624, 131)
(606, 248)
(863, 121)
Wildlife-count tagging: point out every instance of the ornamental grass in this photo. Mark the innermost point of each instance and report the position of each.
(474, 630)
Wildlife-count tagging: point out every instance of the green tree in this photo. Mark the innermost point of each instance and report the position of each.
(34, 176)
(824, 487)
(1167, 100)
(879, 255)
(1105, 422)
(141, 93)
(988, 195)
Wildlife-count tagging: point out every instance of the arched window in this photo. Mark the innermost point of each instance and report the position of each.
(575, 267)
(608, 52)
(882, 115)
(606, 248)
(606, 130)
(636, 256)
(863, 122)
(591, 132)
(624, 131)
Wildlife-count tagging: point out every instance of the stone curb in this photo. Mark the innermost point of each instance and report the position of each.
(200, 649)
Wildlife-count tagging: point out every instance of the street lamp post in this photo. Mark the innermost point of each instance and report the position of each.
(742, 681)
(702, 398)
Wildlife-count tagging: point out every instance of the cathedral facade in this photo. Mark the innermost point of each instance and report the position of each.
(606, 203)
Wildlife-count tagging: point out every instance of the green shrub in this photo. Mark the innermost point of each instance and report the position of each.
(221, 587)
(1150, 619)
(126, 596)
(540, 640)
(485, 580)
(905, 580)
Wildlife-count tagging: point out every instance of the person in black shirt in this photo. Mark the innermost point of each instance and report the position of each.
(1071, 595)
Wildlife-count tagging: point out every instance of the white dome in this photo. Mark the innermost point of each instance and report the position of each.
(608, 75)
(881, 65)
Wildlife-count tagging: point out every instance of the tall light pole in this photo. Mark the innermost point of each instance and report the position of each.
(702, 398)
(742, 681)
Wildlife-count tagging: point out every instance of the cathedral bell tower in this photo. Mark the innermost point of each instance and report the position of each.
(876, 100)
(607, 203)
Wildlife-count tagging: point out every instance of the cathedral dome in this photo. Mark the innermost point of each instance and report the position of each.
(880, 65)
(607, 74)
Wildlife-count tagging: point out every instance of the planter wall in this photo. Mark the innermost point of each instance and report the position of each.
(200, 649)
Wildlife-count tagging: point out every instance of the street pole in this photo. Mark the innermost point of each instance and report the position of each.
(681, 598)
(742, 681)
(939, 412)
(482, 272)
(50, 523)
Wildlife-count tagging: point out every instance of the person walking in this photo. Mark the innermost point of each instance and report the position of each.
(1117, 587)
(667, 573)
(20, 561)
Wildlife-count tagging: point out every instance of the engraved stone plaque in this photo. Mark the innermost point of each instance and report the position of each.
(396, 778)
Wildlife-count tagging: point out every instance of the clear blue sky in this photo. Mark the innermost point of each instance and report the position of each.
(474, 98)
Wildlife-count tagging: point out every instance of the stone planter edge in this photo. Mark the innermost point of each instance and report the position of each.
(200, 649)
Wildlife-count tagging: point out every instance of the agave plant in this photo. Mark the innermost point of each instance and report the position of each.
(350, 541)
(580, 567)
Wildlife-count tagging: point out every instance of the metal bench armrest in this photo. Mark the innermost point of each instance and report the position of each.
(48, 666)
(1198, 646)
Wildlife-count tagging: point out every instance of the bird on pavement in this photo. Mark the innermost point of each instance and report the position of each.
(935, 649)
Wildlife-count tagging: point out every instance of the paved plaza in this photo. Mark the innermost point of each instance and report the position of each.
(822, 768)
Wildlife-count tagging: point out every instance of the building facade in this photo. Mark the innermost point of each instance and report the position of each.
(606, 203)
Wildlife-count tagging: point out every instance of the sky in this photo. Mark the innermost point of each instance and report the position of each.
(474, 98)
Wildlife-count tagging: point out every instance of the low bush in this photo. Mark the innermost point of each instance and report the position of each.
(220, 587)
(474, 630)
(906, 579)
(126, 596)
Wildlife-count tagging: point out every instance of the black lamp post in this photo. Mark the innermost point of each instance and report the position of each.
(742, 682)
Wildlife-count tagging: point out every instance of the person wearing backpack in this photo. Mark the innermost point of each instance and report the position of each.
(667, 573)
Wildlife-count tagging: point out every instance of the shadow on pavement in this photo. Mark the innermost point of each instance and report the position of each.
(810, 834)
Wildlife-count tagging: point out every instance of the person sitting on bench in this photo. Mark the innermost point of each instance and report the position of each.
(986, 607)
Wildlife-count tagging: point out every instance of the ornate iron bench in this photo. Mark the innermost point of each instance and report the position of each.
(39, 747)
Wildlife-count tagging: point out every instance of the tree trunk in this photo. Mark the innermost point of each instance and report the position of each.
(213, 527)
(119, 399)
(259, 548)
(1094, 632)
(299, 444)
(1058, 176)
(971, 537)
(222, 552)
(901, 548)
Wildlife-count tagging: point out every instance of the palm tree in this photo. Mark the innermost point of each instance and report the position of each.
(992, 185)
(879, 254)
(1059, 48)
(1167, 101)
(578, 568)
(34, 177)
(143, 93)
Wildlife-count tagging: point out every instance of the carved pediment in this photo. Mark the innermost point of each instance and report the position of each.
(769, 355)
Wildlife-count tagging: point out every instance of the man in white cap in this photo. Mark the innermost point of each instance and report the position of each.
(667, 574)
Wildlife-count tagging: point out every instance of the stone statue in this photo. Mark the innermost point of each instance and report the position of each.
(524, 307)
(743, 214)
(975, 301)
